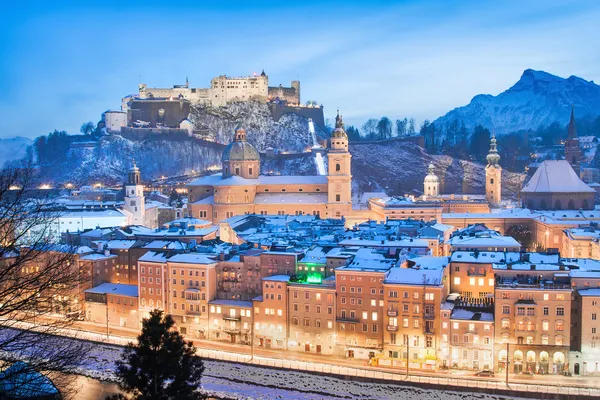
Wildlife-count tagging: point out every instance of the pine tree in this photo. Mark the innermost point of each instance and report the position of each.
(161, 365)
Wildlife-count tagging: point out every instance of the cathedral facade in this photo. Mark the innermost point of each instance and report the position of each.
(241, 189)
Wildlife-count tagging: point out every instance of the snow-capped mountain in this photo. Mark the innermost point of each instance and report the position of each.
(13, 148)
(537, 99)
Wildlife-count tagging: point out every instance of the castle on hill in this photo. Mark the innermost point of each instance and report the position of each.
(223, 90)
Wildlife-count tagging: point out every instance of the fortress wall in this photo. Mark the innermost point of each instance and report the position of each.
(316, 113)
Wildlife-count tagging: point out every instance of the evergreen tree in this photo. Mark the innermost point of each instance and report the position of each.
(384, 128)
(353, 134)
(411, 127)
(401, 127)
(480, 143)
(161, 365)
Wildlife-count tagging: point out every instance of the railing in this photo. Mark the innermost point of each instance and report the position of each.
(347, 319)
(429, 331)
(429, 316)
(192, 312)
(229, 317)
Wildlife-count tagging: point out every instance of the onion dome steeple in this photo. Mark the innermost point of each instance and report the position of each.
(493, 158)
(339, 131)
(133, 177)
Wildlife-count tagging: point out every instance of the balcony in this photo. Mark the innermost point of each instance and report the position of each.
(392, 312)
(348, 320)
(473, 331)
(476, 273)
(229, 329)
(429, 316)
(429, 330)
(193, 313)
(228, 317)
(392, 328)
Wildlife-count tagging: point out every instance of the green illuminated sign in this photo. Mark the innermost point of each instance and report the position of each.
(314, 278)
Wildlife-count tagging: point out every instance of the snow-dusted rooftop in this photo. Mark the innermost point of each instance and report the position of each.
(413, 276)
(97, 257)
(556, 176)
(115, 288)
(277, 278)
(429, 262)
(154, 256)
(484, 257)
(469, 315)
(290, 198)
(292, 180)
(192, 258)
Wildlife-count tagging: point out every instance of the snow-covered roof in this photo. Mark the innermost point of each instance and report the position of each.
(469, 315)
(235, 180)
(166, 244)
(154, 256)
(556, 176)
(292, 180)
(208, 180)
(192, 258)
(290, 198)
(98, 232)
(206, 200)
(484, 240)
(484, 257)
(384, 243)
(413, 276)
(189, 221)
(115, 288)
(231, 303)
(97, 257)
(315, 255)
(430, 262)
(277, 278)
(117, 244)
(589, 292)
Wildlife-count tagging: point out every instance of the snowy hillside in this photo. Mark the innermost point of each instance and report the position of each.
(399, 167)
(289, 134)
(13, 148)
(537, 99)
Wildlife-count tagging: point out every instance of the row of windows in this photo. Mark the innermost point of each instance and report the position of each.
(520, 296)
(307, 322)
(307, 308)
(560, 311)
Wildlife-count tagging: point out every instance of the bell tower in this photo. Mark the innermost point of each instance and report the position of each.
(134, 196)
(493, 174)
(572, 148)
(431, 184)
(339, 178)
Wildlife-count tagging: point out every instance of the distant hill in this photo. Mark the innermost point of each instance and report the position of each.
(13, 148)
(537, 99)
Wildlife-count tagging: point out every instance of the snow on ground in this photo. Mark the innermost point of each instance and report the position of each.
(241, 381)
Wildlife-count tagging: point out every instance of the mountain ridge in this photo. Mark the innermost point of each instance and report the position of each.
(537, 99)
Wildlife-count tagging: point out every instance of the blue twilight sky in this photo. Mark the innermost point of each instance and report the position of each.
(65, 62)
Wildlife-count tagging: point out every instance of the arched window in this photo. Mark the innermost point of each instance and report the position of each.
(571, 205)
(557, 205)
(151, 303)
(143, 302)
(543, 204)
(492, 181)
(530, 204)
(585, 204)
(237, 170)
(337, 167)
(158, 304)
(250, 171)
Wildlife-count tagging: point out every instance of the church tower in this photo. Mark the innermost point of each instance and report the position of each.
(431, 184)
(493, 174)
(339, 179)
(572, 148)
(134, 196)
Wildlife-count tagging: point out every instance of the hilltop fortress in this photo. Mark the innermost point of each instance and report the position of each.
(223, 89)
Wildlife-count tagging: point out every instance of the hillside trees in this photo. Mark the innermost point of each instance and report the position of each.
(37, 281)
(384, 128)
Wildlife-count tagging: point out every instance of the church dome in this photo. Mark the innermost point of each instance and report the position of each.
(431, 177)
(493, 158)
(240, 149)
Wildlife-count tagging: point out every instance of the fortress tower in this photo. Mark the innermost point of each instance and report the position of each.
(339, 178)
(431, 184)
(134, 196)
(572, 148)
(493, 174)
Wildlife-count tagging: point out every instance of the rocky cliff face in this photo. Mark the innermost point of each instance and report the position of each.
(537, 99)
(288, 134)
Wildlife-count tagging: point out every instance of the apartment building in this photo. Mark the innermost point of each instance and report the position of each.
(471, 337)
(532, 317)
(152, 282)
(471, 273)
(311, 315)
(113, 304)
(586, 361)
(230, 321)
(271, 325)
(192, 285)
(360, 305)
(412, 302)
